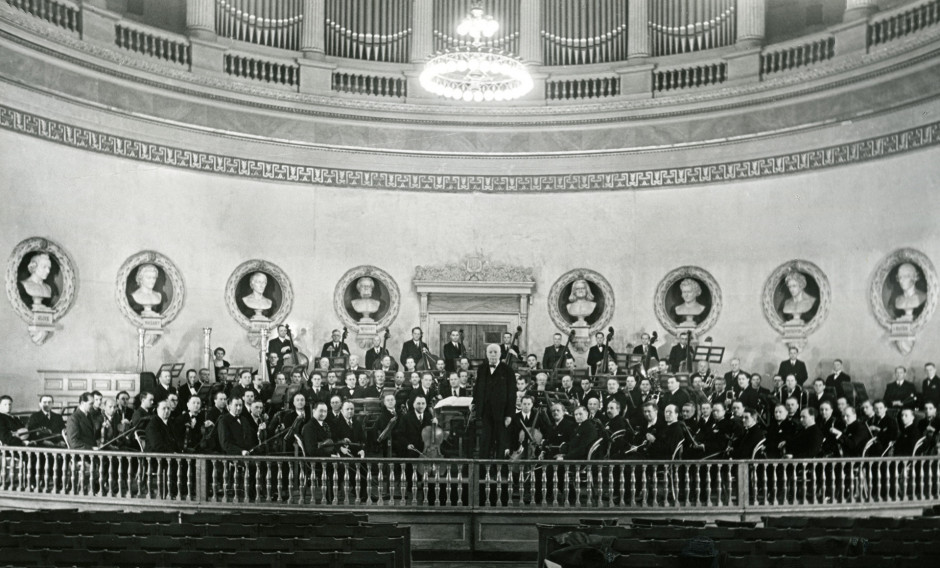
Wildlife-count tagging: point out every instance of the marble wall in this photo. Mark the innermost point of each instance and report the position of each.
(104, 209)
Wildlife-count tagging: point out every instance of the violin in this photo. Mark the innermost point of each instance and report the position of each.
(530, 440)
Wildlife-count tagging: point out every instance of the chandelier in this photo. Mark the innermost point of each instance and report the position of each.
(474, 73)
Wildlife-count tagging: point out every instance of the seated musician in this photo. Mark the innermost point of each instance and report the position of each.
(538, 390)
(323, 365)
(588, 390)
(780, 431)
(883, 427)
(908, 434)
(928, 425)
(243, 384)
(648, 424)
(807, 442)
(831, 427)
(124, 406)
(353, 366)
(219, 407)
(12, 431)
(841, 404)
(386, 363)
(233, 433)
(559, 431)
(757, 386)
(593, 406)
(143, 413)
(317, 392)
(317, 434)
(159, 435)
(263, 389)
(704, 417)
(453, 388)
(777, 390)
(378, 381)
(439, 370)
(44, 422)
(350, 431)
(410, 366)
(614, 393)
(290, 422)
(662, 445)
(80, 428)
(350, 389)
(463, 375)
(819, 395)
(793, 411)
(584, 435)
(256, 422)
(792, 389)
(366, 389)
(532, 362)
(188, 389)
(742, 448)
(612, 369)
(716, 435)
(703, 372)
(673, 394)
(748, 395)
(463, 364)
(855, 435)
(113, 424)
(615, 421)
(189, 426)
(384, 426)
(526, 419)
(719, 391)
(274, 364)
(688, 414)
(407, 441)
(336, 409)
(522, 388)
(425, 389)
(697, 390)
(574, 394)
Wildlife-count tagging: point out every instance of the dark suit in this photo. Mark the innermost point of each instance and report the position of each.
(796, 368)
(494, 400)
(649, 354)
(886, 430)
(678, 398)
(232, 434)
(554, 356)
(373, 357)
(621, 397)
(53, 423)
(907, 437)
(583, 437)
(806, 443)
(574, 393)
(312, 397)
(559, 433)
(80, 431)
(595, 358)
(854, 438)
(279, 346)
(408, 432)
(413, 350)
(161, 439)
(161, 393)
(931, 391)
(778, 432)
(904, 393)
(743, 447)
(313, 434)
(355, 433)
(451, 354)
(448, 391)
(8, 425)
(179, 424)
(667, 440)
(536, 420)
(814, 400)
(331, 350)
(185, 393)
(677, 355)
(840, 383)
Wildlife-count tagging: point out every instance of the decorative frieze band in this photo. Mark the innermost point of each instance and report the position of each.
(865, 150)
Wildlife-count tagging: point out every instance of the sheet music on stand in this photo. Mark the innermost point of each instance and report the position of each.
(710, 353)
(175, 369)
(454, 402)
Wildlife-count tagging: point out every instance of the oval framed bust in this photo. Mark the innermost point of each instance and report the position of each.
(367, 295)
(687, 299)
(796, 294)
(41, 278)
(149, 286)
(904, 290)
(259, 292)
(581, 298)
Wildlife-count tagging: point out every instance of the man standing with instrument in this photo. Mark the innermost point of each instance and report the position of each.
(280, 344)
(494, 402)
(414, 349)
(600, 353)
(554, 356)
(453, 350)
(336, 347)
(508, 350)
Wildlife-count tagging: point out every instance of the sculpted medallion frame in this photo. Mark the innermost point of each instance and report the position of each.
(601, 290)
(41, 320)
(794, 332)
(282, 307)
(173, 290)
(387, 288)
(902, 330)
(665, 288)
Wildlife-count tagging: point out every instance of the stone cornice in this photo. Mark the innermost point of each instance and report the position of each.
(868, 149)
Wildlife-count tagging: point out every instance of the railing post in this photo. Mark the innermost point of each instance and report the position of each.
(311, 34)
(200, 19)
(743, 483)
(859, 9)
(474, 485)
(638, 31)
(530, 38)
(201, 481)
(750, 23)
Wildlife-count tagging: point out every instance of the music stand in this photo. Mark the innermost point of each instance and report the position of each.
(710, 353)
(231, 373)
(623, 359)
(166, 367)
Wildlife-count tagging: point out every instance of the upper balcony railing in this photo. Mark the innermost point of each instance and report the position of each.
(579, 51)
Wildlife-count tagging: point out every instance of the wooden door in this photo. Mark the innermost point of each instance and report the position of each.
(475, 336)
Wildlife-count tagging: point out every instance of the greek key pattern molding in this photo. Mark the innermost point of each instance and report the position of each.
(877, 147)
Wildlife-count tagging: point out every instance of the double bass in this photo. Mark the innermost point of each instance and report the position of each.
(295, 358)
(606, 360)
(510, 357)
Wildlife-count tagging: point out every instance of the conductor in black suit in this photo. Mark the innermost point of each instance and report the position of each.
(414, 348)
(795, 367)
(453, 351)
(494, 401)
(336, 347)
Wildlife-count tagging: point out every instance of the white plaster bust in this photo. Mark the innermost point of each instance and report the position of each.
(911, 298)
(145, 295)
(365, 305)
(799, 302)
(689, 308)
(35, 286)
(581, 302)
(257, 300)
